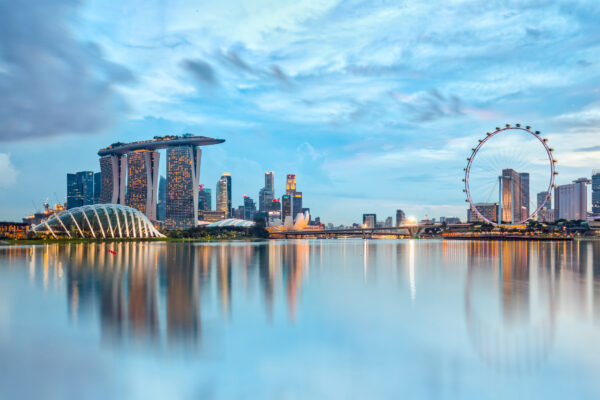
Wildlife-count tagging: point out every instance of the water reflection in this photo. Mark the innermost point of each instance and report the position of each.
(125, 288)
(510, 296)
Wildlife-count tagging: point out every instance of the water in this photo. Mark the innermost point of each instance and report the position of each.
(330, 319)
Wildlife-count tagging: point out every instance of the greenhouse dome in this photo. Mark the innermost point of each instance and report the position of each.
(99, 221)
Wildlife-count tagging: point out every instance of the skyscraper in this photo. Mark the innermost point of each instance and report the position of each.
(524, 195)
(541, 197)
(369, 220)
(545, 214)
(570, 201)
(290, 184)
(114, 174)
(183, 173)
(596, 192)
(204, 199)
(286, 206)
(140, 160)
(80, 189)
(97, 187)
(224, 194)
(270, 181)
(249, 209)
(400, 217)
(511, 196)
(161, 208)
(142, 181)
(267, 193)
(296, 204)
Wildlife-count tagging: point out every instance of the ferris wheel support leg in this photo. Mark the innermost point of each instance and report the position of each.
(500, 200)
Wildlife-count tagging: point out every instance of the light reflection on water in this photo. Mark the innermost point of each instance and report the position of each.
(301, 319)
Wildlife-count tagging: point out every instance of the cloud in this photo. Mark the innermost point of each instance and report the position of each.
(278, 74)
(587, 149)
(201, 70)
(232, 58)
(52, 83)
(430, 105)
(8, 173)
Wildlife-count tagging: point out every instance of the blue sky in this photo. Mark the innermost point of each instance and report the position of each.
(374, 105)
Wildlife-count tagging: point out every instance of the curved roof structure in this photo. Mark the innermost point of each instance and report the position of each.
(158, 143)
(99, 221)
(231, 222)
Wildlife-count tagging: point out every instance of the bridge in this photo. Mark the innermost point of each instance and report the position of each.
(399, 232)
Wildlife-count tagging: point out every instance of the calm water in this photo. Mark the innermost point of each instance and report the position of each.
(337, 319)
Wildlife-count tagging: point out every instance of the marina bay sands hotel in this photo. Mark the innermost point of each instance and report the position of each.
(129, 173)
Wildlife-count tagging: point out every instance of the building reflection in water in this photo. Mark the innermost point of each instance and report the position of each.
(516, 279)
(152, 293)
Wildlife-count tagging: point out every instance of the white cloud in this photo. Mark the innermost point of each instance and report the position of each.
(8, 172)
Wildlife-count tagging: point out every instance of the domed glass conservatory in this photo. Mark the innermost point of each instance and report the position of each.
(99, 221)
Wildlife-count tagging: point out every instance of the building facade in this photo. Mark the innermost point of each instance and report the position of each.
(400, 217)
(369, 220)
(546, 213)
(524, 195)
(80, 189)
(142, 182)
(249, 209)
(224, 195)
(511, 196)
(113, 169)
(596, 192)
(204, 199)
(161, 207)
(488, 210)
(183, 172)
(97, 187)
(570, 201)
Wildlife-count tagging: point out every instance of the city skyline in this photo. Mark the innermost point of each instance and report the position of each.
(338, 115)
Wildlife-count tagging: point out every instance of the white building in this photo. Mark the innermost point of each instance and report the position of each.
(570, 201)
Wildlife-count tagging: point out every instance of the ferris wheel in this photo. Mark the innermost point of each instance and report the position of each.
(500, 171)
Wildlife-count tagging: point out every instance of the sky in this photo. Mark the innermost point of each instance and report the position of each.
(374, 105)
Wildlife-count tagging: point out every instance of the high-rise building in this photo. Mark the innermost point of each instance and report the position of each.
(511, 196)
(524, 195)
(274, 210)
(80, 189)
(286, 206)
(183, 173)
(570, 201)
(400, 217)
(267, 193)
(545, 213)
(596, 192)
(388, 222)
(296, 204)
(369, 220)
(265, 198)
(238, 213)
(204, 199)
(142, 182)
(224, 194)
(488, 210)
(290, 184)
(541, 200)
(97, 187)
(161, 208)
(114, 173)
(249, 209)
(270, 181)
